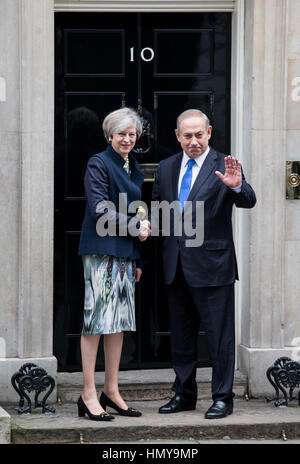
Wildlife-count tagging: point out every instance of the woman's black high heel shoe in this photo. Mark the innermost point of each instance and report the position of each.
(130, 412)
(83, 410)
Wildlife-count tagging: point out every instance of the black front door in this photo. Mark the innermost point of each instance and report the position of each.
(159, 64)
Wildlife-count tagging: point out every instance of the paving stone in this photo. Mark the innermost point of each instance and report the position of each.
(147, 390)
(254, 419)
(5, 426)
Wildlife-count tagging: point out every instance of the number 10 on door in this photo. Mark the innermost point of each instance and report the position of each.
(147, 54)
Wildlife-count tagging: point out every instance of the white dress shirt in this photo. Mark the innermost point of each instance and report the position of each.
(196, 168)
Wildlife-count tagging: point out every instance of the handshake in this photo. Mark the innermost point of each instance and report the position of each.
(145, 226)
(145, 230)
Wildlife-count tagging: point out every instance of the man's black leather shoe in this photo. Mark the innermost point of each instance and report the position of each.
(218, 410)
(177, 404)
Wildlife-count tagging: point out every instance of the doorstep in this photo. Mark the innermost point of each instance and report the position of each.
(140, 385)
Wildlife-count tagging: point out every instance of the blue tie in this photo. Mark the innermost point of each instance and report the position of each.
(186, 184)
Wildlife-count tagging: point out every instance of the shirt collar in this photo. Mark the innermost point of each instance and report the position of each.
(199, 160)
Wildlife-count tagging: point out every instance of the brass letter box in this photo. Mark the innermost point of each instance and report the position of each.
(293, 180)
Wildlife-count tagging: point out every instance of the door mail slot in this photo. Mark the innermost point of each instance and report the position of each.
(149, 170)
(293, 180)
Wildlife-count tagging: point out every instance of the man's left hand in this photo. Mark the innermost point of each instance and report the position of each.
(233, 172)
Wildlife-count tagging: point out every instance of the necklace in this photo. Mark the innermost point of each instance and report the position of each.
(126, 165)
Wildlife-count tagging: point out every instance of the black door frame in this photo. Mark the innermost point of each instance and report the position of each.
(158, 334)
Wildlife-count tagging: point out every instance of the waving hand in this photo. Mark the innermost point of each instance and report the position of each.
(233, 172)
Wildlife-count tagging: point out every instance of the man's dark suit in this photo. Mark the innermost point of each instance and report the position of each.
(200, 280)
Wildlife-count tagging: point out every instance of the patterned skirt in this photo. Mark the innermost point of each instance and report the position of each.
(109, 294)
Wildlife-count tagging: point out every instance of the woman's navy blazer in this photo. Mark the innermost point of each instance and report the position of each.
(105, 178)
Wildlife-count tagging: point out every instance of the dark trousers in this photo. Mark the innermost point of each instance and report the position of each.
(214, 307)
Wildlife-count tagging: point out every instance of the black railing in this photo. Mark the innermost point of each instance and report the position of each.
(284, 376)
(30, 378)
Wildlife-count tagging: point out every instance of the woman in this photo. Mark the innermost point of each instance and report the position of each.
(111, 263)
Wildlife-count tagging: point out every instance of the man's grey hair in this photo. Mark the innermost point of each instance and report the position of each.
(191, 113)
(119, 120)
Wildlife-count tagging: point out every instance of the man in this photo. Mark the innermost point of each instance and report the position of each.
(200, 280)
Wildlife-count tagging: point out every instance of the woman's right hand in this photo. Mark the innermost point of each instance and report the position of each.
(145, 230)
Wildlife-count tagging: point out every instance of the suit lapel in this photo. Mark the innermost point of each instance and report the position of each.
(175, 174)
(206, 169)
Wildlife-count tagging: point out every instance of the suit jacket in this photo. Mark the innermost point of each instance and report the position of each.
(105, 178)
(214, 262)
